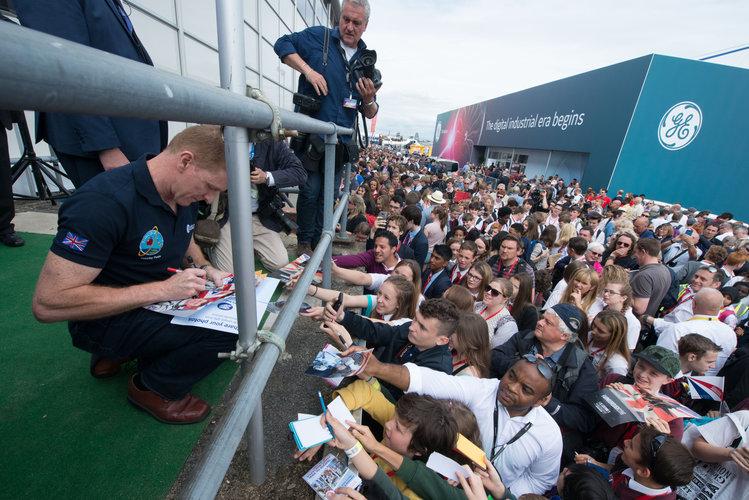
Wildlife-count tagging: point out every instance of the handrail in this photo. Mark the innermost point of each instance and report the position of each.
(80, 79)
(41, 72)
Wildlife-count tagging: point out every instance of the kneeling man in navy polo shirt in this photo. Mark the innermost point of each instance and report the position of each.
(117, 236)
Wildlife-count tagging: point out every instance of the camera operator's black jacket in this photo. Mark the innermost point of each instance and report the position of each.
(286, 169)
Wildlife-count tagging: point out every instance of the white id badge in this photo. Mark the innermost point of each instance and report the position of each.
(350, 103)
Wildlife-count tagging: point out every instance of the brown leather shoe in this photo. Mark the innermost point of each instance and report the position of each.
(102, 367)
(188, 410)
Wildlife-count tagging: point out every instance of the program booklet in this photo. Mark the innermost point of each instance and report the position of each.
(330, 473)
(212, 293)
(295, 267)
(329, 364)
(634, 405)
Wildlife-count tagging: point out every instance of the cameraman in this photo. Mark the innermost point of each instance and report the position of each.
(341, 95)
(273, 165)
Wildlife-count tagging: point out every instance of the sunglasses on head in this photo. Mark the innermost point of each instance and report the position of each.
(492, 291)
(543, 368)
(655, 445)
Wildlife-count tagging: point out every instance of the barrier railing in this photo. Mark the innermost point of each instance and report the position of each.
(70, 78)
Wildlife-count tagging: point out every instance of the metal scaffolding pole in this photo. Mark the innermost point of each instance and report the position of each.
(342, 234)
(80, 79)
(331, 140)
(230, 25)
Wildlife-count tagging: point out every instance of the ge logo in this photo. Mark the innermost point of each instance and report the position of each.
(680, 125)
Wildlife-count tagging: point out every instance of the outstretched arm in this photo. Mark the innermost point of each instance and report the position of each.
(351, 275)
(396, 375)
(66, 291)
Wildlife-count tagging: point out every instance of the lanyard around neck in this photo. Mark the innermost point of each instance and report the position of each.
(517, 436)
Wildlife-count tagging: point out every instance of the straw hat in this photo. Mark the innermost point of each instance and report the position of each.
(436, 197)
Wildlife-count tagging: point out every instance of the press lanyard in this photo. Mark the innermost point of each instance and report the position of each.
(346, 64)
(507, 274)
(704, 318)
(490, 317)
(514, 438)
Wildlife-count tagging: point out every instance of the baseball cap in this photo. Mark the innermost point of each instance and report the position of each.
(569, 314)
(664, 360)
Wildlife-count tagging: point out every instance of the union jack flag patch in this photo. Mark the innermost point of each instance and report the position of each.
(75, 242)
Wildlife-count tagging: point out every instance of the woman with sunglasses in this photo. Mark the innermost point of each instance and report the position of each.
(478, 278)
(494, 309)
(616, 295)
(621, 250)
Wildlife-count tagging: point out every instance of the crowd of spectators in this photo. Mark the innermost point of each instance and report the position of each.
(525, 295)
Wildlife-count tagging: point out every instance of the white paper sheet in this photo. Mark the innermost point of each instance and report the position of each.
(446, 466)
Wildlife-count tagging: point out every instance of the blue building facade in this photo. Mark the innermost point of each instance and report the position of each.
(668, 127)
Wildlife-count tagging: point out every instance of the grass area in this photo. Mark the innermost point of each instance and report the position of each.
(66, 434)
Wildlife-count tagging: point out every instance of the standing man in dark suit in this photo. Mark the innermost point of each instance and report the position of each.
(7, 209)
(85, 144)
(435, 281)
(415, 237)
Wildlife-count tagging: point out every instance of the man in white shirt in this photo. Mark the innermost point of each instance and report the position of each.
(661, 219)
(706, 277)
(682, 250)
(519, 436)
(706, 305)
(599, 233)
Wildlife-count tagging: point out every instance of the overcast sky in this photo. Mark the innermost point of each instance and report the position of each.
(438, 55)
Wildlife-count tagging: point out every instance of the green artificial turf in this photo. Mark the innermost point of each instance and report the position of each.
(64, 433)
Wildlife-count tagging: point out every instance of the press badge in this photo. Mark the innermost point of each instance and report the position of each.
(350, 103)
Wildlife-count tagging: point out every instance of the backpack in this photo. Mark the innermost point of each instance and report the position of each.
(529, 251)
(672, 295)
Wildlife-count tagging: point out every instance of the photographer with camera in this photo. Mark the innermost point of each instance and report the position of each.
(273, 165)
(337, 79)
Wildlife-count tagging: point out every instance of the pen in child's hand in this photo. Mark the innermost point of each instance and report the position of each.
(324, 412)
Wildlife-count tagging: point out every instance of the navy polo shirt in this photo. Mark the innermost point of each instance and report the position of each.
(117, 222)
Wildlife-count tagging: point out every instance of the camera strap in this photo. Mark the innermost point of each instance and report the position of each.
(325, 45)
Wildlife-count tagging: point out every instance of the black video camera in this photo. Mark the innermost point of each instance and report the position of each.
(273, 206)
(364, 66)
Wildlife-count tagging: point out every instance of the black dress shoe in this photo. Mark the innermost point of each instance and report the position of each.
(11, 239)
